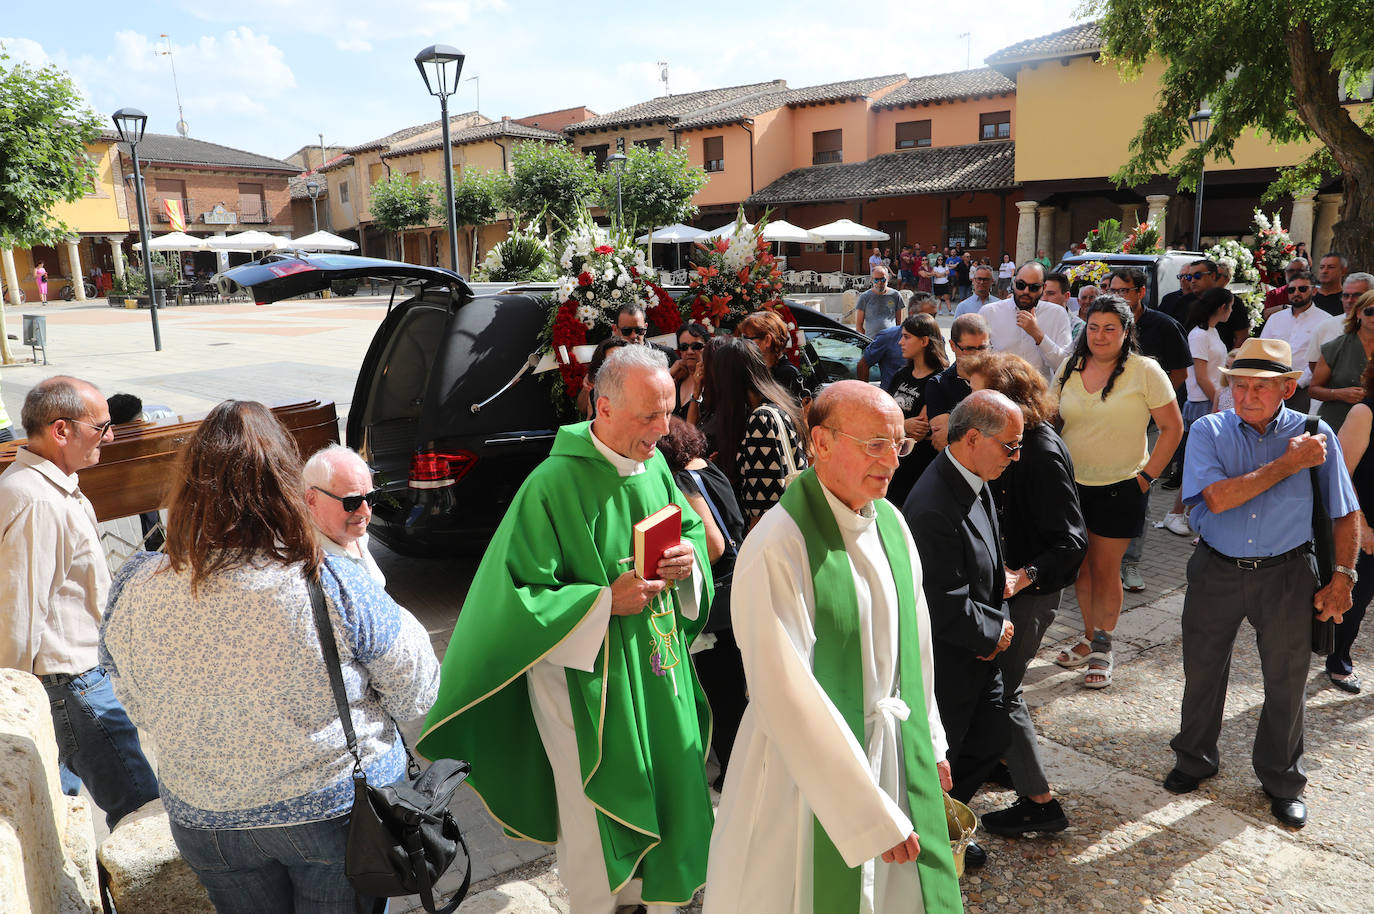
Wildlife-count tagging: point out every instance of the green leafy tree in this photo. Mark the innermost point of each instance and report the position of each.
(551, 181)
(656, 188)
(1269, 65)
(399, 204)
(45, 128)
(478, 200)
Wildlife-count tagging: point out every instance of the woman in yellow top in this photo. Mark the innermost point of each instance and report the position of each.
(1108, 392)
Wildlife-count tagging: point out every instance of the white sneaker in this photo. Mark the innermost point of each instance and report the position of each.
(1177, 523)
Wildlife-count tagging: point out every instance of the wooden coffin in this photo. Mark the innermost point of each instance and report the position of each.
(137, 470)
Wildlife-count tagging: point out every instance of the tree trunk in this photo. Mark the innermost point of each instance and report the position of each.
(6, 357)
(1316, 93)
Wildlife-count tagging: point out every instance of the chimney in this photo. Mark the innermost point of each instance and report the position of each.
(504, 118)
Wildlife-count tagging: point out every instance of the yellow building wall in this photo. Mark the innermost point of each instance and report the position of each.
(951, 123)
(1050, 100)
(100, 210)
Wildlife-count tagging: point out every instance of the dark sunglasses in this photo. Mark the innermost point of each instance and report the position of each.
(1368, 312)
(633, 331)
(878, 282)
(1022, 286)
(1193, 277)
(352, 503)
(1299, 289)
(691, 347)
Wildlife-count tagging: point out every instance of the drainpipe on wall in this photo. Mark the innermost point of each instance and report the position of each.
(748, 126)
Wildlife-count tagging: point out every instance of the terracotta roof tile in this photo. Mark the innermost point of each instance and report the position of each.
(477, 134)
(672, 108)
(946, 86)
(753, 106)
(179, 150)
(407, 132)
(937, 170)
(1083, 38)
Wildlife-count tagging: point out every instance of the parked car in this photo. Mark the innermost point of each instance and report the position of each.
(447, 408)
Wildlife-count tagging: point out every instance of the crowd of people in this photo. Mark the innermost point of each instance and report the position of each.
(864, 576)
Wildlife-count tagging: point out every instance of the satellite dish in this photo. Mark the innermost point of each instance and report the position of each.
(183, 128)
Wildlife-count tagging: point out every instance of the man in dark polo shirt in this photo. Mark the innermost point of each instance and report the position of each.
(1331, 270)
(1162, 339)
(968, 335)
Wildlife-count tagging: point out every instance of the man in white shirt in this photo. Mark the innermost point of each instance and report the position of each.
(338, 490)
(1295, 325)
(1025, 326)
(54, 583)
(1355, 285)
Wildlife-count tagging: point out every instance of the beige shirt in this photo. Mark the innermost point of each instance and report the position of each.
(53, 576)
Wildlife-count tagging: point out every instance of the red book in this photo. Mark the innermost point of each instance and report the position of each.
(659, 531)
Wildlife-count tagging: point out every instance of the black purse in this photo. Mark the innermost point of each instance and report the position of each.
(401, 837)
(1324, 548)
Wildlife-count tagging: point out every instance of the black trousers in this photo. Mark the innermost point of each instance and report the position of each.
(969, 693)
(721, 672)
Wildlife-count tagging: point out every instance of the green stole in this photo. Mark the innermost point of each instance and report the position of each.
(838, 666)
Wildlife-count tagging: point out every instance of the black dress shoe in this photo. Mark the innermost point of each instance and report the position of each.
(1182, 782)
(1349, 684)
(974, 856)
(1290, 812)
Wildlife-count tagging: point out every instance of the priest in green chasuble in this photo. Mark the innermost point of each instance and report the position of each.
(567, 682)
(832, 803)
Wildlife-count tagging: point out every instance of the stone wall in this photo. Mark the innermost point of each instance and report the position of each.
(47, 842)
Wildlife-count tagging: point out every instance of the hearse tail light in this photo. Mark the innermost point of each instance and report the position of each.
(433, 470)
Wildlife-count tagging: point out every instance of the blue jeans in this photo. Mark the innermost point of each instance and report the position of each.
(97, 744)
(277, 870)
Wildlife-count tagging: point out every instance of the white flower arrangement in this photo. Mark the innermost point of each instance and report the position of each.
(1238, 258)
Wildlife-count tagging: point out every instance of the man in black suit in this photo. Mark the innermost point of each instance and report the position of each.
(954, 522)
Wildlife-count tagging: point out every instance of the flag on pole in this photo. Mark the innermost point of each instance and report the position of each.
(175, 217)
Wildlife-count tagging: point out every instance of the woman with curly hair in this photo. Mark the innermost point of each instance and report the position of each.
(1108, 393)
(766, 330)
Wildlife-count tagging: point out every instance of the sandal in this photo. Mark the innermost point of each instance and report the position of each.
(1070, 659)
(1103, 669)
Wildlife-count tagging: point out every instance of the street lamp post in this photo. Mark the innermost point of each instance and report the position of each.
(446, 65)
(1201, 126)
(313, 189)
(130, 122)
(617, 162)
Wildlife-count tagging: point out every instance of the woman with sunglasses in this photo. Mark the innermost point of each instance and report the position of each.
(766, 330)
(1336, 379)
(1108, 393)
(923, 349)
(213, 649)
(687, 371)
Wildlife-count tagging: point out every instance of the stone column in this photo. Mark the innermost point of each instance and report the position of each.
(1328, 214)
(1301, 223)
(1063, 234)
(1129, 219)
(11, 277)
(1044, 235)
(1025, 230)
(74, 265)
(117, 252)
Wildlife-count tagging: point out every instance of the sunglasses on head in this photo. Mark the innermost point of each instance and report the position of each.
(691, 347)
(352, 503)
(1022, 286)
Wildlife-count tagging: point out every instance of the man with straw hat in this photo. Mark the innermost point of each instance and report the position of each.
(1246, 476)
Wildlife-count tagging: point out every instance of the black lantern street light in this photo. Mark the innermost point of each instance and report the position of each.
(130, 123)
(313, 189)
(1201, 126)
(445, 65)
(617, 162)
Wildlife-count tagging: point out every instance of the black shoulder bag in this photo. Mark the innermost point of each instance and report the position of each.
(1323, 546)
(401, 837)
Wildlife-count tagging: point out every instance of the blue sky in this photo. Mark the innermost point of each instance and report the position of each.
(270, 75)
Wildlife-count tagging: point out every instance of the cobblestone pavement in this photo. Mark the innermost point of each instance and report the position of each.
(1131, 846)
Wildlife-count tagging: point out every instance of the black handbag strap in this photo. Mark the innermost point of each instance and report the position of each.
(715, 513)
(330, 648)
(1322, 545)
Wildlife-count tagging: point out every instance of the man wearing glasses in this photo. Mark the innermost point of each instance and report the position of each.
(632, 326)
(1355, 285)
(1296, 325)
(968, 335)
(339, 493)
(982, 291)
(1024, 325)
(55, 583)
(1276, 299)
(879, 307)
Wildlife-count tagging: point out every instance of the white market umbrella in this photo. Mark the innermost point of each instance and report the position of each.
(781, 230)
(727, 230)
(322, 241)
(248, 242)
(848, 230)
(677, 233)
(174, 241)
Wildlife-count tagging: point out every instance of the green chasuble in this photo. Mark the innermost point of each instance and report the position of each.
(838, 666)
(641, 741)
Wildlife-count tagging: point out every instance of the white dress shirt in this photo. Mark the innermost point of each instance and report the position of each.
(1006, 336)
(1297, 330)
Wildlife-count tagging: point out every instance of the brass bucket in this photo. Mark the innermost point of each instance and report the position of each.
(962, 824)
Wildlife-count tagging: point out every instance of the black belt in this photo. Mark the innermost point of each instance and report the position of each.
(62, 678)
(1267, 561)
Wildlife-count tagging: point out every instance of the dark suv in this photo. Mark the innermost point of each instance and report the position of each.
(448, 408)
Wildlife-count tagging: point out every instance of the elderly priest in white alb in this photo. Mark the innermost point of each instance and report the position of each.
(833, 803)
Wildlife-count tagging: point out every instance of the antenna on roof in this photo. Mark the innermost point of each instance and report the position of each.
(968, 49)
(663, 76)
(183, 128)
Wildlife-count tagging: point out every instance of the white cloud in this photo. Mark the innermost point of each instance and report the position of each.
(354, 25)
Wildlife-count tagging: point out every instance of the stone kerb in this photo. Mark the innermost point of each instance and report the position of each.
(145, 872)
(47, 842)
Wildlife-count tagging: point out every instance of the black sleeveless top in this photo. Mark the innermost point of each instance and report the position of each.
(1363, 475)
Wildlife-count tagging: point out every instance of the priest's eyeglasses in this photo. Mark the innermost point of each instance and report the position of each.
(352, 503)
(877, 447)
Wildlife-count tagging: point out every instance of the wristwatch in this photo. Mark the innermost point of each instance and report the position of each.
(1348, 572)
(1033, 573)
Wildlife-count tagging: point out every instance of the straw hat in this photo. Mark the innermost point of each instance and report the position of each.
(1261, 358)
